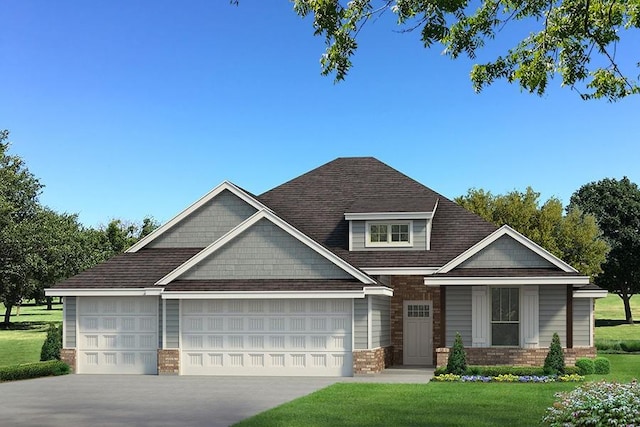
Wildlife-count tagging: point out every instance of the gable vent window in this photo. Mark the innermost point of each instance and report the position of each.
(389, 234)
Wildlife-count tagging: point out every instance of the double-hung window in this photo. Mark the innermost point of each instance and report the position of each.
(389, 234)
(505, 316)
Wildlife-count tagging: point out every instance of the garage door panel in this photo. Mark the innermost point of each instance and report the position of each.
(117, 335)
(266, 337)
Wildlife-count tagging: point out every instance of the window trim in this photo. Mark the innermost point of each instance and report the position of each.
(491, 321)
(369, 244)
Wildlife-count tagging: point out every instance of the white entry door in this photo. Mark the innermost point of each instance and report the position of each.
(417, 333)
(297, 337)
(117, 335)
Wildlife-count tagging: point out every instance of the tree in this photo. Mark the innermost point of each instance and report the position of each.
(575, 39)
(616, 206)
(574, 237)
(457, 363)
(19, 191)
(554, 362)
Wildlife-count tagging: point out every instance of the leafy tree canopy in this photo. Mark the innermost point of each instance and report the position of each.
(574, 237)
(575, 39)
(616, 206)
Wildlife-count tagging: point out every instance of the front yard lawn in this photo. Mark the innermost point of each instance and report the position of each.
(432, 404)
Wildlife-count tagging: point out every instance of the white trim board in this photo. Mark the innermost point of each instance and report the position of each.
(103, 292)
(225, 185)
(400, 271)
(387, 216)
(273, 218)
(501, 281)
(505, 230)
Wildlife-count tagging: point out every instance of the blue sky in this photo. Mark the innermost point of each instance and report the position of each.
(126, 109)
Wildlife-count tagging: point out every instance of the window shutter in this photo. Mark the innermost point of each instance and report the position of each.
(480, 316)
(530, 317)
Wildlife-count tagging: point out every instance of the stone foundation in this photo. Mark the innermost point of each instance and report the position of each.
(68, 356)
(372, 361)
(168, 362)
(513, 356)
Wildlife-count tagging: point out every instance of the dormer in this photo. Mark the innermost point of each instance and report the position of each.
(398, 224)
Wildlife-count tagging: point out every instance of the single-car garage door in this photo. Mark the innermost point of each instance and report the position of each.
(117, 335)
(296, 337)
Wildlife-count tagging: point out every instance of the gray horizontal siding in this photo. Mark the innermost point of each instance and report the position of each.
(207, 224)
(582, 322)
(173, 323)
(70, 312)
(458, 314)
(506, 253)
(419, 237)
(553, 314)
(380, 321)
(265, 251)
(360, 323)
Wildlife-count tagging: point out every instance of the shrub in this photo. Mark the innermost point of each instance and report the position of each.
(570, 370)
(440, 371)
(457, 363)
(33, 370)
(601, 365)
(52, 344)
(494, 371)
(630, 346)
(554, 362)
(594, 404)
(585, 365)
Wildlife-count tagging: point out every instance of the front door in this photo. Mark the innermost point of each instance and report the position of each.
(417, 336)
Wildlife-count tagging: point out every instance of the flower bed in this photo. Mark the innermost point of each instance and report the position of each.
(508, 378)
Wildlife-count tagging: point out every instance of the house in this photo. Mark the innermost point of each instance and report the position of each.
(347, 269)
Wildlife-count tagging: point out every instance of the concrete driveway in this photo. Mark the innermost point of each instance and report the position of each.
(146, 400)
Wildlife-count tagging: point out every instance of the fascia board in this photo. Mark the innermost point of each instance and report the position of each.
(266, 214)
(378, 290)
(500, 281)
(225, 185)
(375, 216)
(508, 231)
(401, 271)
(101, 292)
(264, 295)
(590, 293)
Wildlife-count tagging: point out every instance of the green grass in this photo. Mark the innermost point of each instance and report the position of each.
(23, 341)
(610, 320)
(432, 404)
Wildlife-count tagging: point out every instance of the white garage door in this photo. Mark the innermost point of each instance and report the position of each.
(117, 335)
(266, 337)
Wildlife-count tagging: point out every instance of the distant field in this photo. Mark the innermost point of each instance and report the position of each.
(610, 322)
(22, 344)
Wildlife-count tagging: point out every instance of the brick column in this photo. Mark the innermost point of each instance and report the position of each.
(68, 356)
(168, 362)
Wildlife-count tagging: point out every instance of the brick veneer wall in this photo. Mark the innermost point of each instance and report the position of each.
(168, 362)
(68, 356)
(412, 288)
(514, 356)
(372, 361)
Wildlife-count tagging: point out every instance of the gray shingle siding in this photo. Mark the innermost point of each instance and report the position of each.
(553, 314)
(380, 321)
(70, 322)
(173, 323)
(458, 314)
(265, 251)
(360, 323)
(582, 322)
(419, 237)
(506, 253)
(207, 224)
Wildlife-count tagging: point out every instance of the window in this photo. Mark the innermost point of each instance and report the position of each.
(505, 316)
(418, 310)
(389, 234)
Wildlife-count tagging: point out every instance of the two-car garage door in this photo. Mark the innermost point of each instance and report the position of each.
(305, 337)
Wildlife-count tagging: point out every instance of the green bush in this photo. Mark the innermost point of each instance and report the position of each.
(52, 344)
(572, 370)
(494, 371)
(440, 371)
(597, 404)
(585, 365)
(616, 346)
(554, 362)
(630, 346)
(33, 370)
(457, 363)
(601, 365)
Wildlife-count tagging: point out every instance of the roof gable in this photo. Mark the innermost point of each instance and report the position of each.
(204, 221)
(498, 243)
(282, 247)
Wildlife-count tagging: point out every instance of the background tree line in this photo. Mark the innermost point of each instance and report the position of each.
(38, 246)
